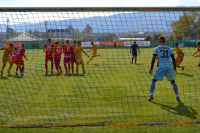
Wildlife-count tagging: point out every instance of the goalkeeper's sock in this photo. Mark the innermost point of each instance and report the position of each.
(152, 88)
(46, 67)
(175, 88)
(132, 59)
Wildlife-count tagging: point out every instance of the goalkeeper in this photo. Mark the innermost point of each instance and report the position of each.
(165, 67)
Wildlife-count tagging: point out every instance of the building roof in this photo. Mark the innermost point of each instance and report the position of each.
(23, 37)
(128, 39)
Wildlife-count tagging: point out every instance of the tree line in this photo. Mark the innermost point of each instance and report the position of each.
(84, 37)
(185, 28)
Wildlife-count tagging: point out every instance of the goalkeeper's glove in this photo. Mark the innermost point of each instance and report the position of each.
(151, 71)
(175, 72)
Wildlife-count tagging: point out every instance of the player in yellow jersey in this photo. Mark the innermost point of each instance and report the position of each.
(179, 57)
(94, 51)
(79, 60)
(6, 57)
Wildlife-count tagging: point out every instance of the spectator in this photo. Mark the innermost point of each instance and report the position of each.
(115, 45)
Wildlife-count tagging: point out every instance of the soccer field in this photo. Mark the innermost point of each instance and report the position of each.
(112, 91)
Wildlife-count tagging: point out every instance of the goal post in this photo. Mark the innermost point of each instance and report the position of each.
(115, 86)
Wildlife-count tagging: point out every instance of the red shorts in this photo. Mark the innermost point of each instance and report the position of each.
(73, 60)
(49, 57)
(19, 61)
(67, 60)
(14, 60)
(57, 59)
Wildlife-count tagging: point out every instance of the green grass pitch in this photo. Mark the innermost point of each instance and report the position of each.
(112, 91)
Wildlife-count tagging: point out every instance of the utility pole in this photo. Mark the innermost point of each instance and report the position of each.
(7, 30)
(46, 29)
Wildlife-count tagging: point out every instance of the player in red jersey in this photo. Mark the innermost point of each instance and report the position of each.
(13, 57)
(57, 57)
(198, 50)
(67, 55)
(73, 59)
(49, 50)
(20, 61)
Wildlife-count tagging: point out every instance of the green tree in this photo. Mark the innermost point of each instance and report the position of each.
(99, 39)
(87, 38)
(148, 38)
(186, 38)
(156, 37)
(1, 37)
(187, 26)
(30, 32)
(170, 37)
(43, 35)
(109, 37)
(198, 36)
(36, 33)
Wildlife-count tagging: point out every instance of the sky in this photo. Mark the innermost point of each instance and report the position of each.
(98, 3)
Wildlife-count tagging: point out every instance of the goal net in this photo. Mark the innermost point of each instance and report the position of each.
(113, 88)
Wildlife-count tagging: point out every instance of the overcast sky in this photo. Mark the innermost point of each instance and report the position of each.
(98, 3)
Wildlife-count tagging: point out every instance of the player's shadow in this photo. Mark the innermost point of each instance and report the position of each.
(76, 75)
(181, 109)
(3, 78)
(185, 74)
(48, 75)
(79, 75)
(96, 64)
(57, 74)
(139, 64)
(17, 76)
(69, 74)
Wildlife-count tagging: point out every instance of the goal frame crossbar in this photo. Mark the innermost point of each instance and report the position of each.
(94, 9)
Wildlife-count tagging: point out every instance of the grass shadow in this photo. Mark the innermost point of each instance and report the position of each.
(96, 65)
(3, 77)
(69, 74)
(139, 64)
(181, 109)
(48, 75)
(185, 74)
(18, 77)
(57, 74)
(79, 75)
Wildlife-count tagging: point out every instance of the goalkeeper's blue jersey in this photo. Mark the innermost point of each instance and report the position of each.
(164, 52)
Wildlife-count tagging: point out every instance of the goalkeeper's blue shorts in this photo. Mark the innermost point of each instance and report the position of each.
(164, 71)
